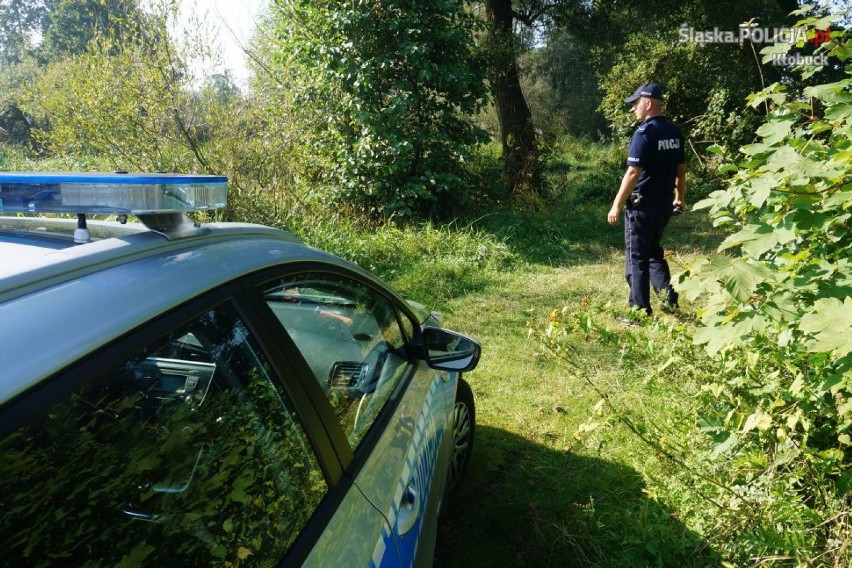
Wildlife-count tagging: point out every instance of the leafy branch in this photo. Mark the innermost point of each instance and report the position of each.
(555, 338)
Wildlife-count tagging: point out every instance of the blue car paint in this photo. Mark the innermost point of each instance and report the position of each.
(422, 439)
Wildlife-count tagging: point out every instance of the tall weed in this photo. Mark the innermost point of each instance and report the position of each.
(763, 466)
(754, 492)
(426, 261)
(581, 171)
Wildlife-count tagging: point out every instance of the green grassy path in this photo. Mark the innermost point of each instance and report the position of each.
(537, 495)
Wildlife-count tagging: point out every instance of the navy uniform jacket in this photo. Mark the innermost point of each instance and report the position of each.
(657, 147)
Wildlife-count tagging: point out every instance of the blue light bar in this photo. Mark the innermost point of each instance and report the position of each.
(109, 193)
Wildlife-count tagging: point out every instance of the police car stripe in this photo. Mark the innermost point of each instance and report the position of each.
(417, 446)
(381, 547)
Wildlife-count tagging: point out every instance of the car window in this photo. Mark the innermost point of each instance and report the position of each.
(185, 453)
(350, 337)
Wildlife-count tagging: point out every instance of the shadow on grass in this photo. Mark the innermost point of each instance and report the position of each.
(581, 235)
(528, 505)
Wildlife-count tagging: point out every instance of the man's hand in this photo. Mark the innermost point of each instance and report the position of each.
(628, 182)
(680, 187)
(347, 321)
(613, 215)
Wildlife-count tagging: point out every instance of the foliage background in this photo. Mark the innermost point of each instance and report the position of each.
(378, 154)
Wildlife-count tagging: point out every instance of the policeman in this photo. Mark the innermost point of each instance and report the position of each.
(652, 189)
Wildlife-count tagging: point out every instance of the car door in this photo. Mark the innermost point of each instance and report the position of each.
(183, 443)
(358, 347)
(409, 493)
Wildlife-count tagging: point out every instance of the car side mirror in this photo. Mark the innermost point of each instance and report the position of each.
(450, 351)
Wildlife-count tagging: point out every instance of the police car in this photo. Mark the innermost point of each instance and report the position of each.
(176, 393)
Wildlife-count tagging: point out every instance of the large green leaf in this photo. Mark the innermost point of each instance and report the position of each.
(758, 239)
(841, 197)
(713, 338)
(830, 322)
(841, 111)
(741, 278)
(831, 92)
(829, 314)
(770, 51)
(716, 200)
(760, 188)
(782, 308)
(776, 129)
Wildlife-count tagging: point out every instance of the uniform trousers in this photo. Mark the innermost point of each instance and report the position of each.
(645, 263)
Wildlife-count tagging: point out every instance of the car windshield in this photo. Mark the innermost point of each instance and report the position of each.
(306, 294)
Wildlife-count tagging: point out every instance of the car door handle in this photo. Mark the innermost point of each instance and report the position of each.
(409, 509)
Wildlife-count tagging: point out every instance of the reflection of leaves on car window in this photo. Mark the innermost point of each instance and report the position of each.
(125, 462)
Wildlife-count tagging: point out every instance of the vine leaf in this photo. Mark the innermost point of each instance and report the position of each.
(777, 129)
(830, 322)
(740, 277)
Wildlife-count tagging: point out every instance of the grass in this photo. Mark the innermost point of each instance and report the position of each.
(537, 493)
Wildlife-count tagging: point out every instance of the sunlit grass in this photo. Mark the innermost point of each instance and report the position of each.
(538, 494)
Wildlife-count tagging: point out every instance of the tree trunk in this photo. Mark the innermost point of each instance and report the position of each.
(517, 134)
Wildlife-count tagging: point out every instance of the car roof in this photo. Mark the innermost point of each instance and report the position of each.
(74, 299)
(39, 252)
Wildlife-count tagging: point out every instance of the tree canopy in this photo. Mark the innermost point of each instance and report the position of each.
(380, 104)
(395, 83)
